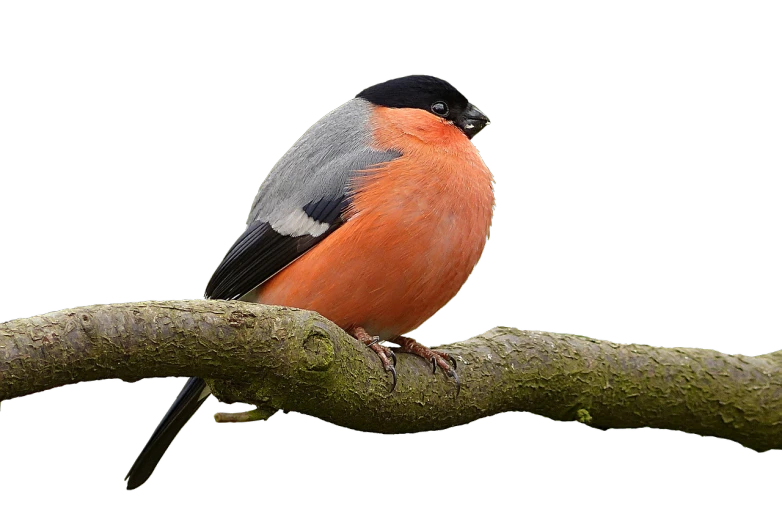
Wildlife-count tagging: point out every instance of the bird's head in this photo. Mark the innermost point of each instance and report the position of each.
(429, 94)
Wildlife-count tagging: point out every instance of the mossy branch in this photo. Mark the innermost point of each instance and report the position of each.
(282, 358)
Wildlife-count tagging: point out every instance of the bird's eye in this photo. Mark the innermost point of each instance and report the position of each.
(440, 108)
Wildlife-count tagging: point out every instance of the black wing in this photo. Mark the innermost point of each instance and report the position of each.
(260, 252)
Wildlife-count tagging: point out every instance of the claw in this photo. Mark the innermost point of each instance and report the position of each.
(434, 365)
(393, 356)
(393, 373)
(453, 360)
(456, 379)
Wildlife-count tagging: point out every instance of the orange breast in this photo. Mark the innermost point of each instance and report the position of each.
(415, 230)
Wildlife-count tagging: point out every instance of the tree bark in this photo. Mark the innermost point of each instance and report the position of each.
(283, 358)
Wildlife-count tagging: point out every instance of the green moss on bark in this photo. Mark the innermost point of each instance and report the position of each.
(295, 360)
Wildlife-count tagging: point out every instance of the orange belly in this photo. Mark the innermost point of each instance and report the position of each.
(415, 230)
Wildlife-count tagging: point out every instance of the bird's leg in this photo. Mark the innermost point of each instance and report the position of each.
(383, 352)
(436, 357)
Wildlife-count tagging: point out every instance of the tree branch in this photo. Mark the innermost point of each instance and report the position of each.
(282, 358)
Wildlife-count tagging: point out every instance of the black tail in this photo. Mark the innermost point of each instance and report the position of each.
(189, 400)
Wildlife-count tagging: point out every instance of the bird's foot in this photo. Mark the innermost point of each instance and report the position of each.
(384, 352)
(436, 357)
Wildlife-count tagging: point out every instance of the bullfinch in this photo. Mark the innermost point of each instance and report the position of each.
(374, 218)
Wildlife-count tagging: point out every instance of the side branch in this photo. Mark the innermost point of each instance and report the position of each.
(282, 358)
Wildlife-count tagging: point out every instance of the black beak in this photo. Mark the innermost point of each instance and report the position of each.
(471, 121)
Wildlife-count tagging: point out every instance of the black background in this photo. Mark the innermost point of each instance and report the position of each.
(131, 179)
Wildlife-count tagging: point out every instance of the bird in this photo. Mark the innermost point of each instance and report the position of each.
(374, 218)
